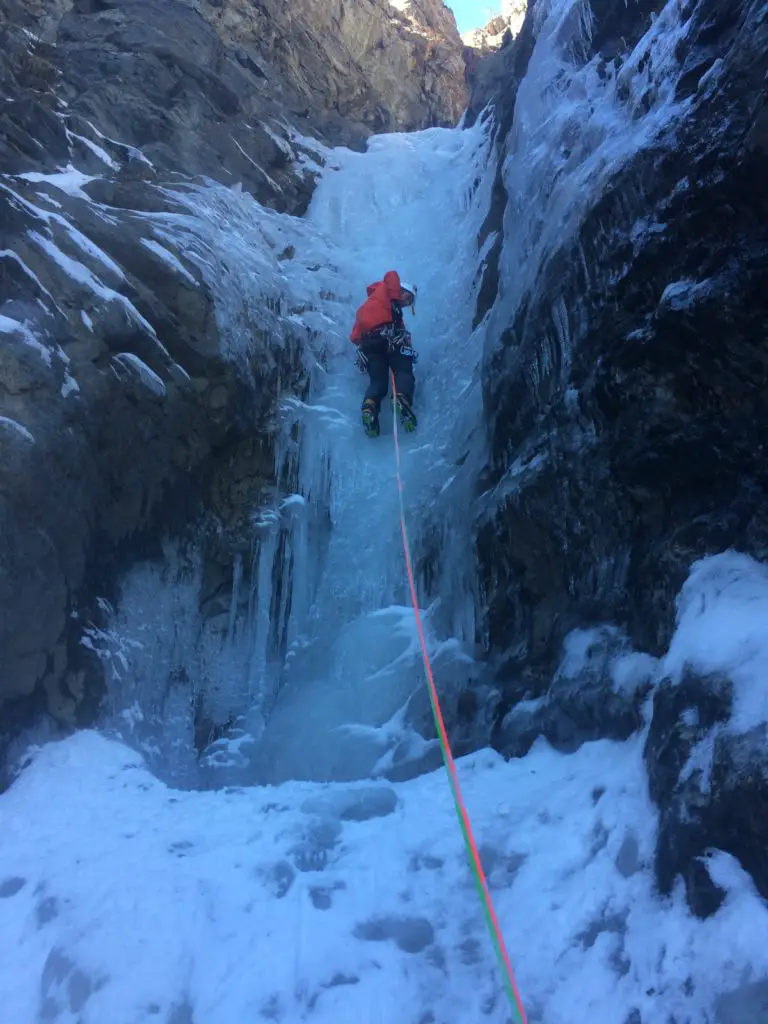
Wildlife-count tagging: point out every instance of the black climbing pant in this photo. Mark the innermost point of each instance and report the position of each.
(380, 362)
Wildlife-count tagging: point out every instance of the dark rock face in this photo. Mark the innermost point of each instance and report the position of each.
(494, 82)
(120, 407)
(624, 392)
(583, 703)
(711, 787)
(154, 76)
(625, 386)
(117, 425)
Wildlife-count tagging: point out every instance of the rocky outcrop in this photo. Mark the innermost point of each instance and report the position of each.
(625, 384)
(157, 78)
(119, 395)
(204, 88)
(711, 785)
(500, 30)
(494, 78)
(363, 66)
(624, 395)
(497, 57)
(598, 694)
(119, 404)
(493, 35)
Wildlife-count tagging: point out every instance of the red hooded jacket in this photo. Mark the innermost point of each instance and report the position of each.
(377, 309)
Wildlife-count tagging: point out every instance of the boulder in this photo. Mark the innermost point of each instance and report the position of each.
(597, 693)
(710, 783)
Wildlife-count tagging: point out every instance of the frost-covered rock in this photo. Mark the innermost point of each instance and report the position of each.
(116, 363)
(706, 750)
(126, 393)
(711, 785)
(684, 716)
(596, 693)
(624, 303)
(500, 30)
(624, 381)
(496, 64)
(207, 88)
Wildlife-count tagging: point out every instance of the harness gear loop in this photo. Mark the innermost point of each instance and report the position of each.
(361, 361)
(401, 342)
(461, 811)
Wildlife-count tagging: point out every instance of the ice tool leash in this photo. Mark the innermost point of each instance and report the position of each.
(461, 810)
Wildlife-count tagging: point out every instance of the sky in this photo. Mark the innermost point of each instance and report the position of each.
(473, 13)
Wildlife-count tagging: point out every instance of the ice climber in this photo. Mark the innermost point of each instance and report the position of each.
(384, 345)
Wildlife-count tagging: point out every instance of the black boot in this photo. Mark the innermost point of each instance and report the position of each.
(407, 415)
(370, 417)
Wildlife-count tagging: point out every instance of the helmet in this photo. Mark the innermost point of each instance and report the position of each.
(409, 299)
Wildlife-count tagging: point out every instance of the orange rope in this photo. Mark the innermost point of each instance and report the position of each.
(450, 764)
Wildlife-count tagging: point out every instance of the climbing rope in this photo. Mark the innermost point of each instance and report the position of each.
(461, 811)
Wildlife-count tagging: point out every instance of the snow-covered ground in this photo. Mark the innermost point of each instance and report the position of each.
(126, 901)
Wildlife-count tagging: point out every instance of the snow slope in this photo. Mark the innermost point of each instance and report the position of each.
(125, 901)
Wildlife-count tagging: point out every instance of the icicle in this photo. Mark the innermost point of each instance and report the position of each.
(237, 578)
(260, 604)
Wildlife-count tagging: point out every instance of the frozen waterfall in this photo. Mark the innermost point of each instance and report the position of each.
(284, 875)
(341, 709)
(318, 675)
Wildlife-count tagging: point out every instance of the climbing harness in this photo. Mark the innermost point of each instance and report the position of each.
(461, 810)
(401, 344)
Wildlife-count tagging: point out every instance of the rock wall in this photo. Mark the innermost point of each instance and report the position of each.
(119, 409)
(380, 66)
(199, 87)
(640, 417)
(625, 390)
